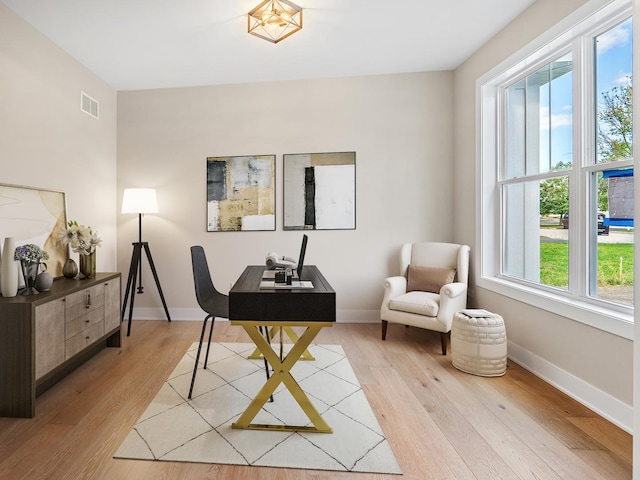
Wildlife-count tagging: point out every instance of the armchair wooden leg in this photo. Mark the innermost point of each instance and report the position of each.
(443, 340)
(384, 329)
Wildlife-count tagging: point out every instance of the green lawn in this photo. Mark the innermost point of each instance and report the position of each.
(554, 264)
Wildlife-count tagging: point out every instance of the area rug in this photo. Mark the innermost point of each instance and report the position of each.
(199, 430)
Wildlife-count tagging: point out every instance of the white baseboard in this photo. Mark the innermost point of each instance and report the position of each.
(617, 412)
(345, 316)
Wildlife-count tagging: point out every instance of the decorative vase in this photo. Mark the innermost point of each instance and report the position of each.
(9, 269)
(70, 268)
(44, 280)
(88, 265)
(29, 272)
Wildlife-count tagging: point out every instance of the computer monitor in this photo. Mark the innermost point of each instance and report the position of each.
(303, 251)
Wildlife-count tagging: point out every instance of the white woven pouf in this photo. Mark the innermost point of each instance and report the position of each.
(479, 344)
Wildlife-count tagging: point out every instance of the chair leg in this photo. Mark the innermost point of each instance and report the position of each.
(384, 329)
(195, 367)
(443, 340)
(206, 357)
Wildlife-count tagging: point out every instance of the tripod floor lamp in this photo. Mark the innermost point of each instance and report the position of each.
(140, 201)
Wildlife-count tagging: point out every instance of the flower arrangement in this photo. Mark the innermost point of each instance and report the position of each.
(82, 239)
(30, 253)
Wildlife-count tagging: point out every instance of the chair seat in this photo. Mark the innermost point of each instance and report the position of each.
(420, 303)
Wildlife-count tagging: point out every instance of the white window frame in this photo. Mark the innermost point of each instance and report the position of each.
(595, 15)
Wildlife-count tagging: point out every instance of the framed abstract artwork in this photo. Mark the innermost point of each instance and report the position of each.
(320, 191)
(241, 193)
(33, 215)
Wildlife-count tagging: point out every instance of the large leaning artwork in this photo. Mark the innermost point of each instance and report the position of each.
(320, 191)
(241, 193)
(31, 215)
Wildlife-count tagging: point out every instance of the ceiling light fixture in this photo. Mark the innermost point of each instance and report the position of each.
(275, 20)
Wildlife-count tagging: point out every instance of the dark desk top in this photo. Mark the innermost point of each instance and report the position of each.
(248, 302)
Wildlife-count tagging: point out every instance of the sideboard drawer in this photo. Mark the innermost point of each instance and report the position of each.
(86, 337)
(78, 324)
(87, 300)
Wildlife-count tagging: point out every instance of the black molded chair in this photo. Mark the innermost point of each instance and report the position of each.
(214, 303)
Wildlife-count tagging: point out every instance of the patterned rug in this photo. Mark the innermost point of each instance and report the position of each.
(199, 430)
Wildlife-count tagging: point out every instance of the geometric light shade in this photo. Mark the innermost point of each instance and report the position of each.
(275, 20)
(139, 200)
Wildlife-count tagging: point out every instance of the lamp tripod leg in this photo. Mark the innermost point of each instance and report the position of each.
(136, 262)
(129, 289)
(155, 276)
(131, 284)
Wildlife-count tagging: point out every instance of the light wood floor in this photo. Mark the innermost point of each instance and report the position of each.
(441, 423)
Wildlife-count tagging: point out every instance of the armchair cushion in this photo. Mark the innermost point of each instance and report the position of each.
(428, 279)
(420, 303)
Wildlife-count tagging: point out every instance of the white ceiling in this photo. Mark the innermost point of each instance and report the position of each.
(142, 44)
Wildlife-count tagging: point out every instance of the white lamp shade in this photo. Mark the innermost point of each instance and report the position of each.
(139, 200)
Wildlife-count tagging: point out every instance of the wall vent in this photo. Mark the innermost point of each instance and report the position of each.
(88, 105)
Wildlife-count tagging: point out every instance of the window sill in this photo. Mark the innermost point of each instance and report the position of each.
(596, 316)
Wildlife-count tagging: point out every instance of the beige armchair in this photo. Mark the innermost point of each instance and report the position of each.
(431, 289)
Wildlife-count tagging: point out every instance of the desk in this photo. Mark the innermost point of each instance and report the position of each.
(251, 307)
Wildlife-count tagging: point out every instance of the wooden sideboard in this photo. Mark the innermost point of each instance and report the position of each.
(44, 337)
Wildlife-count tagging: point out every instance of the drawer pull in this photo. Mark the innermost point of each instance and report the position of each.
(88, 304)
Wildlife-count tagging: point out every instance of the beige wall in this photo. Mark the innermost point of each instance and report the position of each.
(46, 141)
(399, 126)
(585, 361)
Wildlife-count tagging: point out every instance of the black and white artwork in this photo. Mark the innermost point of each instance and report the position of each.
(320, 191)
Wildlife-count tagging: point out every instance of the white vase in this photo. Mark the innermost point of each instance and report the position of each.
(9, 269)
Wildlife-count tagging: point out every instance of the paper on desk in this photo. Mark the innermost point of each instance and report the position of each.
(295, 285)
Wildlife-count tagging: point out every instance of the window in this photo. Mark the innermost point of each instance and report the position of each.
(537, 130)
(557, 172)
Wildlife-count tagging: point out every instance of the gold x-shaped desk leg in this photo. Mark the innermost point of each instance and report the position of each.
(282, 374)
(306, 355)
